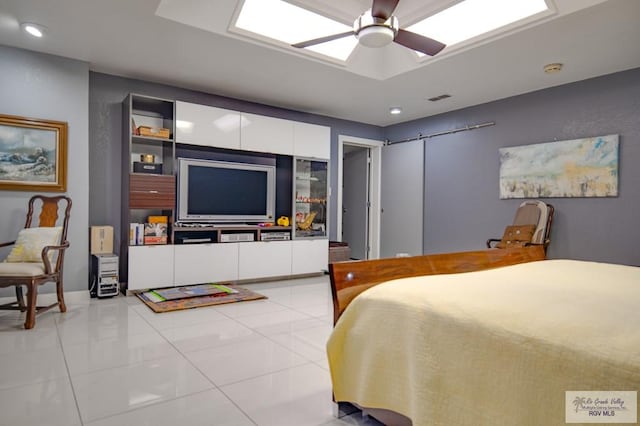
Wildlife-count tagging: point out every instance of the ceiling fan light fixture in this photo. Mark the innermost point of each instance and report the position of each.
(375, 32)
(378, 29)
(375, 36)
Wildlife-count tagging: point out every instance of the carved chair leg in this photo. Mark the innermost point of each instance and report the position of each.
(60, 292)
(32, 299)
(20, 298)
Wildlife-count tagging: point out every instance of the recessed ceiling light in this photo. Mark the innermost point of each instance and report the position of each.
(395, 110)
(33, 29)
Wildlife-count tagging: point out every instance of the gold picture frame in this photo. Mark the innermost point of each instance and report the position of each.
(33, 154)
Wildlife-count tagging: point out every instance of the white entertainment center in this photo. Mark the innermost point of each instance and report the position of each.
(214, 252)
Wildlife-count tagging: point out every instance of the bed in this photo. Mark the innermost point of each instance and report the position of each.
(493, 337)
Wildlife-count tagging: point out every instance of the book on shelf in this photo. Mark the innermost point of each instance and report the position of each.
(155, 233)
(136, 234)
(158, 219)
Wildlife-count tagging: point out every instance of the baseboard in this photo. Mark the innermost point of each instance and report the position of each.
(278, 278)
(245, 281)
(70, 297)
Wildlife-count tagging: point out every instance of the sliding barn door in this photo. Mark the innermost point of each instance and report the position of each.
(402, 199)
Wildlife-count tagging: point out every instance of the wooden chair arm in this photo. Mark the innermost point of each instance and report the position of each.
(544, 245)
(7, 244)
(45, 257)
(492, 240)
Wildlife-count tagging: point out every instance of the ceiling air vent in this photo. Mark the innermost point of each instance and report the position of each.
(439, 98)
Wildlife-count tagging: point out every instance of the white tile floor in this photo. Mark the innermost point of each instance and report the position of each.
(114, 362)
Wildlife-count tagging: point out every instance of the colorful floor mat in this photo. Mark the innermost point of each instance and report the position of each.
(156, 304)
(172, 293)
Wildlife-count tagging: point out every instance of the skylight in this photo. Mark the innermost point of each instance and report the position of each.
(471, 18)
(291, 24)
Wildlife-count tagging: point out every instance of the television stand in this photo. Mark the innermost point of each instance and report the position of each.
(202, 255)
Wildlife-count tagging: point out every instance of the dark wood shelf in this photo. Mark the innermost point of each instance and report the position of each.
(223, 228)
(140, 138)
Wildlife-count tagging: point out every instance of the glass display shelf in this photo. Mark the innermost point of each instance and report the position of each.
(310, 198)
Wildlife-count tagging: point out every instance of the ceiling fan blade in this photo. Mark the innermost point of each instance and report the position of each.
(383, 9)
(322, 39)
(418, 42)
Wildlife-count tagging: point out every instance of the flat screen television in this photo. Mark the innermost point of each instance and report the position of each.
(222, 191)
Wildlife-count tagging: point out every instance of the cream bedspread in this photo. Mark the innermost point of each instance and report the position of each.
(496, 347)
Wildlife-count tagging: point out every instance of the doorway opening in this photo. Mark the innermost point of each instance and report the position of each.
(359, 171)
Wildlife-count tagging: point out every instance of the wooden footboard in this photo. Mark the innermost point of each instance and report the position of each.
(348, 279)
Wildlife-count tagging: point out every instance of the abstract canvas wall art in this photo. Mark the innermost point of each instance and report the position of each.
(573, 168)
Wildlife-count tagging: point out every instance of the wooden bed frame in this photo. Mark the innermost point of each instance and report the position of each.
(349, 279)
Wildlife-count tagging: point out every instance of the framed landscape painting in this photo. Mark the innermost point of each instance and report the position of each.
(573, 168)
(33, 154)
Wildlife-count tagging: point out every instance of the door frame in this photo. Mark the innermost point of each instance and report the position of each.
(375, 176)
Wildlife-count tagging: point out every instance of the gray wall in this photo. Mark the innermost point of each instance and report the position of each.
(462, 205)
(105, 123)
(50, 87)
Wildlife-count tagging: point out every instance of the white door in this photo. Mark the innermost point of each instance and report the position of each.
(150, 267)
(207, 126)
(263, 259)
(311, 140)
(309, 256)
(266, 134)
(205, 263)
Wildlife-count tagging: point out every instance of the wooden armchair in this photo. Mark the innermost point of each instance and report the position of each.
(37, 256)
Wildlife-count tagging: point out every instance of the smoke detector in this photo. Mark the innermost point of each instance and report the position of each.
(553, 68)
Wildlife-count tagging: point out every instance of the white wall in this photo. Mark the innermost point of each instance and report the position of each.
(54, 88)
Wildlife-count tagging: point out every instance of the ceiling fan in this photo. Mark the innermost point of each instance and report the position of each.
(379, 27)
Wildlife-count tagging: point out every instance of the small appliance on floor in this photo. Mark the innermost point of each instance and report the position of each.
(104, 275)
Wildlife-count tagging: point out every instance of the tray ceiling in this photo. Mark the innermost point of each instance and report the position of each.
(188, 43)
